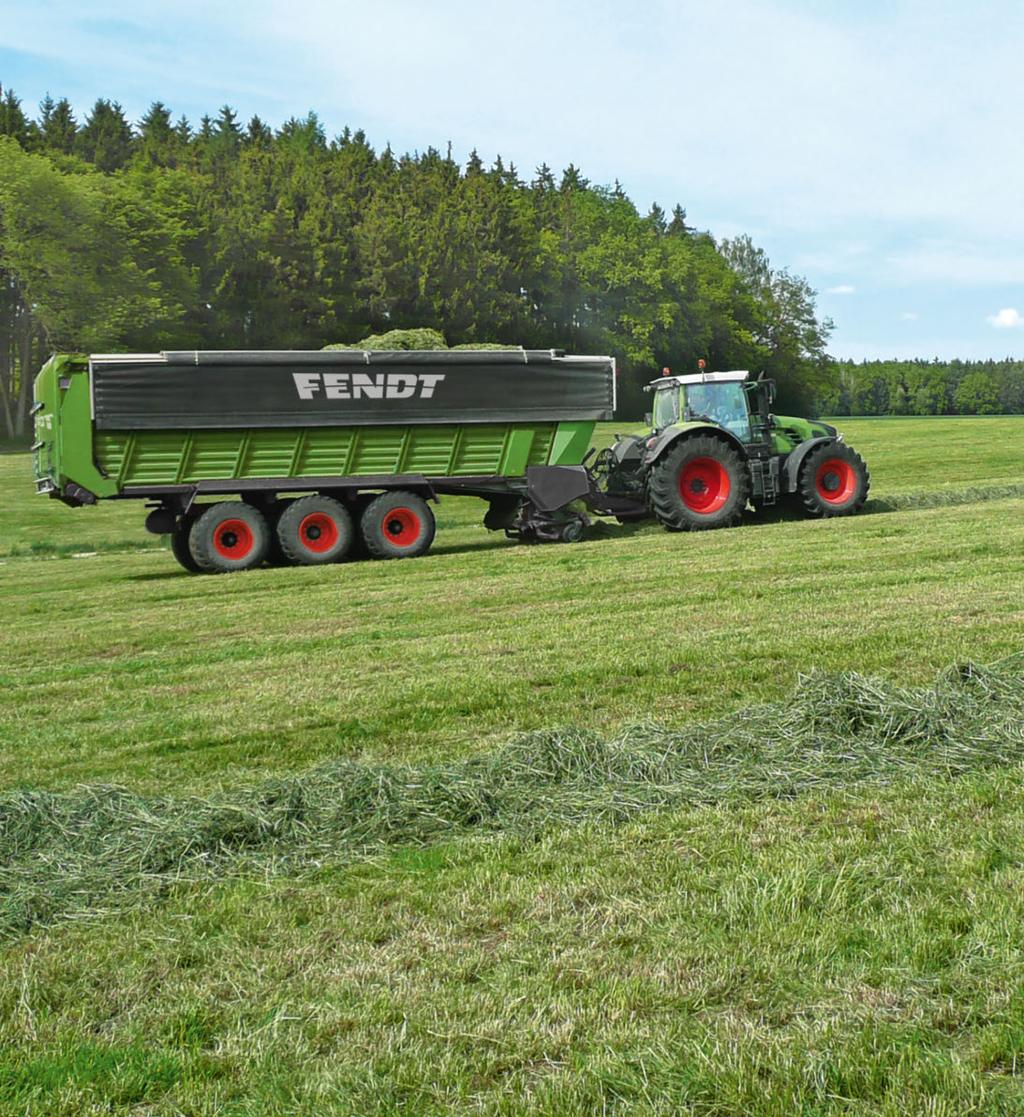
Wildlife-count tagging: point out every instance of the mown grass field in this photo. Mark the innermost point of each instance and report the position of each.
(853, 947)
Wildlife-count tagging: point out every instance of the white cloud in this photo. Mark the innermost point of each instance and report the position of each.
(841, 289)
(909, 316)
(1007, 319)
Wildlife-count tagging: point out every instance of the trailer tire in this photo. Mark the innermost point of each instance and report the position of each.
(314, 531)
(179, 545)
(834, 481)
(701, 483)
(397, 525)
(275, 556)
(357, 505)
(229, 536)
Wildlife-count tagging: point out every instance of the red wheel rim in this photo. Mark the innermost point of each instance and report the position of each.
(402, 527)
(836, 481)
(319, 532)
(233, 539)
(704, 485)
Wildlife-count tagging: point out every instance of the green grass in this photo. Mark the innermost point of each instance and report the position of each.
(840, 953)
(118, 667)
(600, 918)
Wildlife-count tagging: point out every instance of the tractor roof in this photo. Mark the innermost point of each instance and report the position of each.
(701, 378)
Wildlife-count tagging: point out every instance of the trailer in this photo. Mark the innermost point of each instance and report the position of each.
(321, 451)
(304, 458)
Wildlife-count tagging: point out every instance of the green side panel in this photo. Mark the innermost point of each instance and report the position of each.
(571, 442)
(465, 450)
(518, 445)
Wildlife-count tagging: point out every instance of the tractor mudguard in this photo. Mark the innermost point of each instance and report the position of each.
(795, 459)
(667, 438)
(628, 449)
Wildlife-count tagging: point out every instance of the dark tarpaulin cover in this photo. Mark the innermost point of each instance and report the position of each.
(204, 390)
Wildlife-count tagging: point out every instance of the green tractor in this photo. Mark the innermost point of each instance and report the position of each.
(716, 446)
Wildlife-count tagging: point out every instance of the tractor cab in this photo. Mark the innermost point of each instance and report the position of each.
(730, 400)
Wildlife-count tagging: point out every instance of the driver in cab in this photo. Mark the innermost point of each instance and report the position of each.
(722, 407)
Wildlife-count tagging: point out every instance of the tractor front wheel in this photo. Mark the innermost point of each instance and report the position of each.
(700, 483)
(834, 481)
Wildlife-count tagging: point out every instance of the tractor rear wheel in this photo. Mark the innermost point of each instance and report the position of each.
(229, 536)
(700, 483)
(834, 481)
(314, 530)
(397, 525)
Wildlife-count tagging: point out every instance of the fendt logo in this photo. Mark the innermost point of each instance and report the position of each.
(365, 385)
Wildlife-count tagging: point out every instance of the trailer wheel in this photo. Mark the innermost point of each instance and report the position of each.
(315, 530)
(356, 506)
(179, 545)
(229, 536)
(397, 525)
(275, 556)
(700, 483)
(834, 481)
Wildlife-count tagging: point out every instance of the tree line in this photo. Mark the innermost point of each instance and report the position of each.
(161, 234)
(925, 388)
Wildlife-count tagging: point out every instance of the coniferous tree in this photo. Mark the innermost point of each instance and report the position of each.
(105, 139)
(13, 121)
(678, 227)
(159, 144)
(226, 132)
(257, 134)
(57, 127)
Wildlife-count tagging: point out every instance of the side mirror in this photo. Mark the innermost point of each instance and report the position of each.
(648, 418)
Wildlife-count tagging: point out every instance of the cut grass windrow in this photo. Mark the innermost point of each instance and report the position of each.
(97, 849)
(974, 494)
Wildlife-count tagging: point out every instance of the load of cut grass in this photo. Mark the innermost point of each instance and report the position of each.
(97, 849)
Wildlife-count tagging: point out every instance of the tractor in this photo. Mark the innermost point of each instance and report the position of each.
(716, 446)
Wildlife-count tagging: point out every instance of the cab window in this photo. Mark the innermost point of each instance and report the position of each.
(723, 402)
(666, 407)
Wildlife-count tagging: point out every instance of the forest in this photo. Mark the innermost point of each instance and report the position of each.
(161, 234)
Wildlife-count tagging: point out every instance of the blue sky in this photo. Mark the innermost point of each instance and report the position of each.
(875, 147)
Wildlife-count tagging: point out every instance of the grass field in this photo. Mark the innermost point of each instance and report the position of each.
(731, 933)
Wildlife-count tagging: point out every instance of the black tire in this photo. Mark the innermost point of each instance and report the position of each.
(229, 536)
(179, 545)
(314, 531)
(833, 481)
(275, 556)
(356, 507)
(701, 483)
(572, 532)
(397, 525)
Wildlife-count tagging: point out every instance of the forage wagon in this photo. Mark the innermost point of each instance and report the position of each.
(302, 457)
